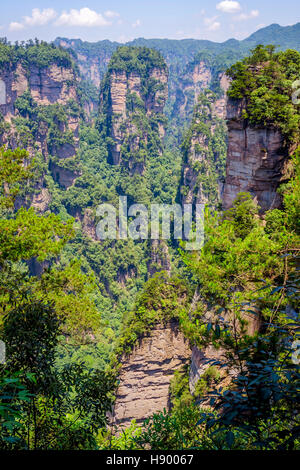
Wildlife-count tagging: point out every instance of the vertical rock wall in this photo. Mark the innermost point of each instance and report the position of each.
(128, 101)
(145, 375)
(256, 160)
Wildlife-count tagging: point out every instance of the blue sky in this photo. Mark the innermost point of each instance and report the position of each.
(123, 20)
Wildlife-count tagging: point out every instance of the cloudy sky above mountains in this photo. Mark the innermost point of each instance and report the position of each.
(123, 20)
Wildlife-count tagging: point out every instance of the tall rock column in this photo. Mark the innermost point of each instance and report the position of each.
(132, 97)
(256, 159)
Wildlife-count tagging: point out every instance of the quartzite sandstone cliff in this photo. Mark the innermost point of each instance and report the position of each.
(125, 100)
(145, 375)
(256, 160)
(48, 87)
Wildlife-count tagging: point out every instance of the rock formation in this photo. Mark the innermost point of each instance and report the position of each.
(40, 111)
(196, 79)
(132, 99)
(256, 160)
(47, 86)
(204, 150)
(92, 59)
(145, 375)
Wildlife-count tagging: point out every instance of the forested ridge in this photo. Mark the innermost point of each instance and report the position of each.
(73, 308)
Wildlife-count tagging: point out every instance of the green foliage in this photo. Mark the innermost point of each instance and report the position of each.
(243, 215)
(181, 396)
(206, 160)
(165, 431)
(247, 274)
(13, 394)
(80, 394)
(291, 196)
(207, 382)
(126, 439)
(15, 170)
(264, 80)
(136, 59)
(39, 53)
(161, 301)
(28, 235)
(47, 407)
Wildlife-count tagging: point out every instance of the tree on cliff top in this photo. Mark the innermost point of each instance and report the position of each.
(136, 59)
(265, 82)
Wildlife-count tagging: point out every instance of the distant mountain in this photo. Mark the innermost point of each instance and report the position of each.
(286, 37)
(178, 50)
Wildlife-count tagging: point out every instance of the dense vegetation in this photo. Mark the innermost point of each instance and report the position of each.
(246, 278)
(204, 151)
(43, 406)
(247, 274)
(39, 53)
(71, 306)
(136, 59)
(264, 80)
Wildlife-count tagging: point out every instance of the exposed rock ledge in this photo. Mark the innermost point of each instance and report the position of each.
(146, 374)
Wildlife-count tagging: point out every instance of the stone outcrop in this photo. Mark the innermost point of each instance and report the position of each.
(127, 102)
(41, 200)
(220, 105)
(202, 166)
(89, 225)
(63, 176)
(145, 375)
(53, 84)
(256, 160)
(14, 83)
(47, 86)
(196, 79)
(92, 62)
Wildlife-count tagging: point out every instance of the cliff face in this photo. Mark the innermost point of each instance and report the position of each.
(204, 151)
(256, 159)
(92, 58)
(195, 80)
(52, 85)
(131, 105)
(39, 109)
(145, 375)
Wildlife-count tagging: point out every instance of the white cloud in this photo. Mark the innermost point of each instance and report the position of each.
(83, 17)
(249, 16)
(212, 24)
(15, 26)
(228, 6)
(39, 18)
(136, 24)
(111, 14)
